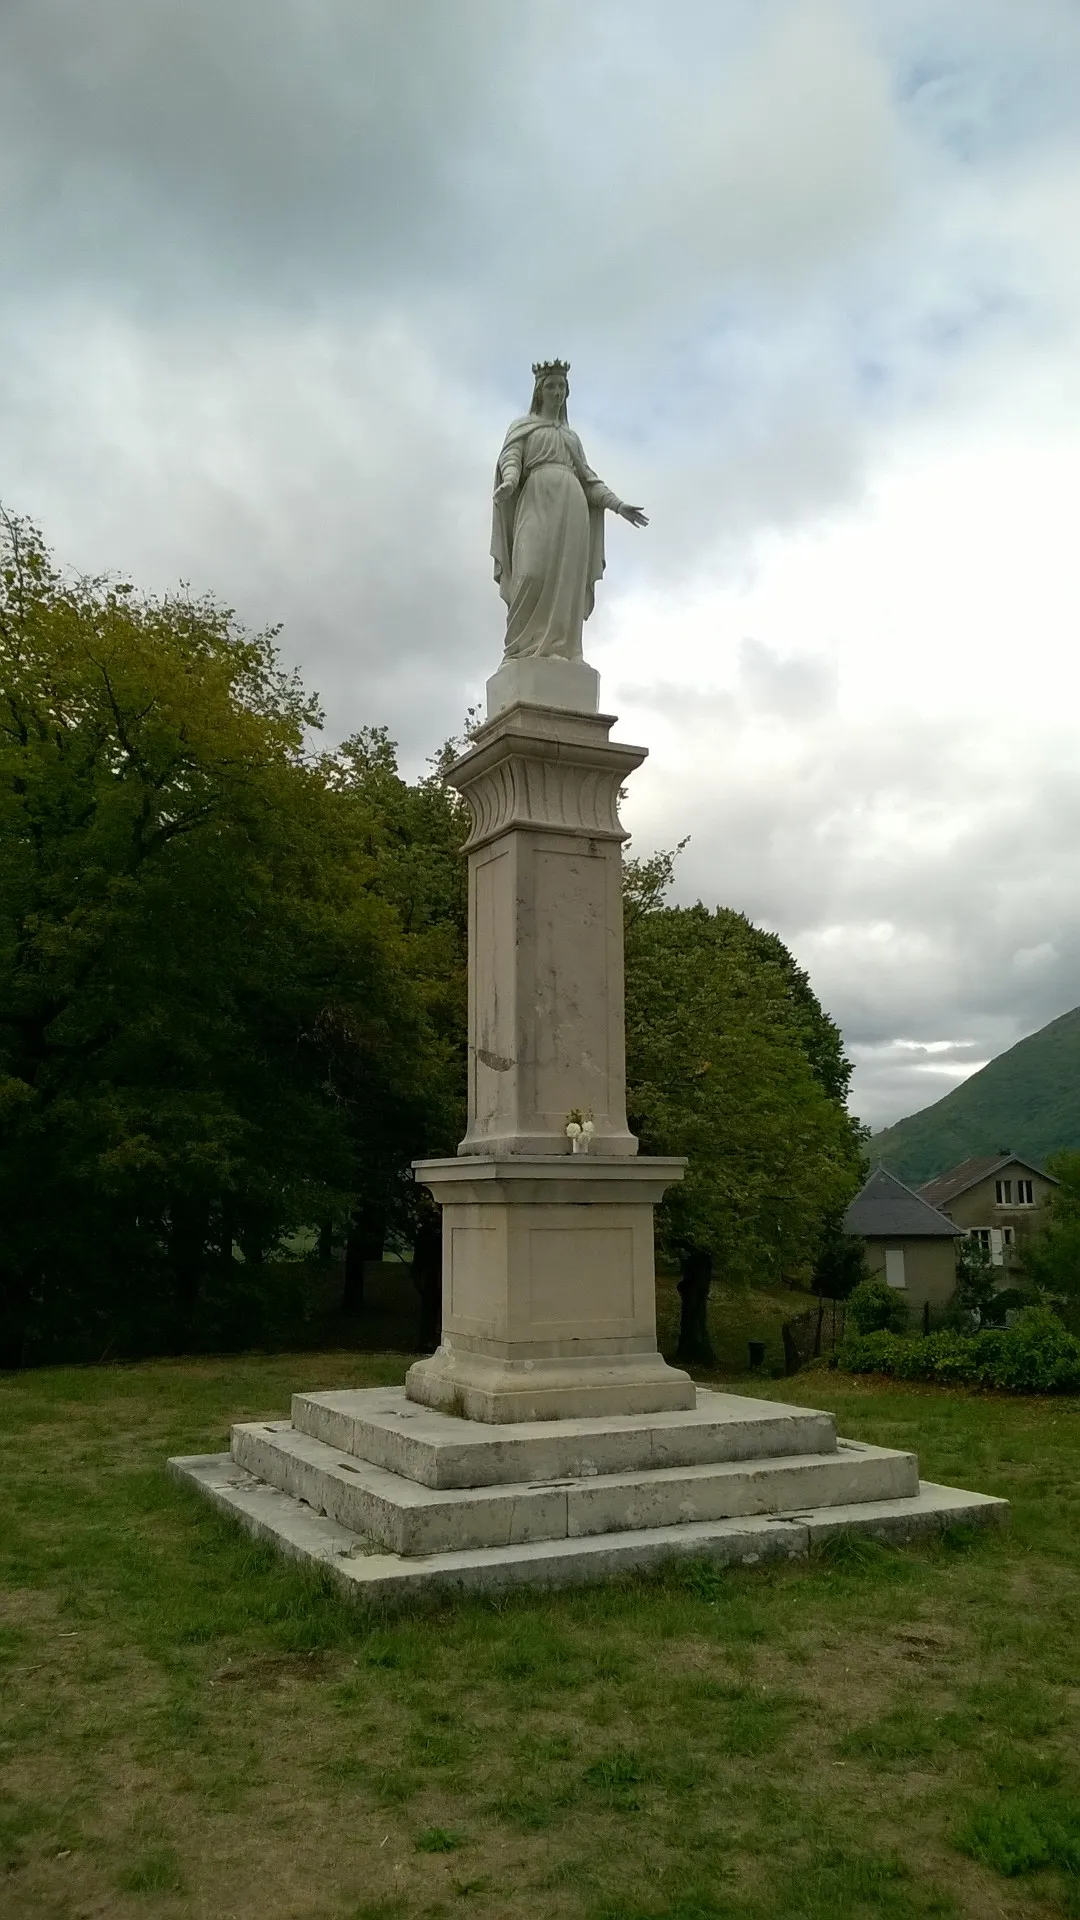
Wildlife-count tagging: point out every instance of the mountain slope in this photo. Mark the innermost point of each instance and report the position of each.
(1027, 1100)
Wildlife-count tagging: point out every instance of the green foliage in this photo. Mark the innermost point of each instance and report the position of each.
(214, 1026)
(731, 1061)
(1029, 1097)
(1008, 1300)
(841, 1263)
(156, 1872)
(1035, 1355)
(1051, 1258)
(438, 1840)
(1019, 1833)
(876, 1308)
(973, 1297)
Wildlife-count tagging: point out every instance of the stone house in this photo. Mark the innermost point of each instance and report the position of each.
(909, 1244)
(998, 1199)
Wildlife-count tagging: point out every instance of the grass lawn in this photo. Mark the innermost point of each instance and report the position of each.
(189, 1727)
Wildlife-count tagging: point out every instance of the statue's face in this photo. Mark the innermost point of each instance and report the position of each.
(554, 390)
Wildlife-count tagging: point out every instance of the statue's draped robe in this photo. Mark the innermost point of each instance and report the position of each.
(547, 540)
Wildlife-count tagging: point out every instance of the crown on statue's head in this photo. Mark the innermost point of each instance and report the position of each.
(540, 367)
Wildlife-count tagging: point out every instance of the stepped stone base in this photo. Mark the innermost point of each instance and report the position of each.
(396, 1497)
(380, 1425)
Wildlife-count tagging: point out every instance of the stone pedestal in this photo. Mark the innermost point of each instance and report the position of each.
(571, 685)
(549, 1292)
(548, 1282)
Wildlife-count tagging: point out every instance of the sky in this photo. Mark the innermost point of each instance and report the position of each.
(275, 275)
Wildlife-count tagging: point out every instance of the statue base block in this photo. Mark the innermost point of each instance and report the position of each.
(544, 681)
(549, 1290)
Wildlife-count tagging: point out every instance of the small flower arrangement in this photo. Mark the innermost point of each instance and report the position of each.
(579, 1130)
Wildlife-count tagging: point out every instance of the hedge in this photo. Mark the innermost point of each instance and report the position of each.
(1036, 1355)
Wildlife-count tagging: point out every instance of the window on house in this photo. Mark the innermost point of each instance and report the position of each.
(1008, 1235)
(894, 1267)
(1004, 1192)
(1025, 1196)
(982, 1235)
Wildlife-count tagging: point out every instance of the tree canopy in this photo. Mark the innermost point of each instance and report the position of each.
(215, 1022)
(731, 1061)
(1051, 1258)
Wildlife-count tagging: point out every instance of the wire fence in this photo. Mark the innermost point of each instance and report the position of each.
(809, 1335)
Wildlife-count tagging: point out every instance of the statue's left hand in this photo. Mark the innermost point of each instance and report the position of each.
(635, 516)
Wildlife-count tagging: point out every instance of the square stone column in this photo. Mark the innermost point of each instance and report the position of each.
(548, 1279)
(546, 1020)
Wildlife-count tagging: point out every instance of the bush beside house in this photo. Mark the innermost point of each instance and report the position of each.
(1035, 1355)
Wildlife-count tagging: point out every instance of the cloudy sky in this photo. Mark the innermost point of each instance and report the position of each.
(275, 271)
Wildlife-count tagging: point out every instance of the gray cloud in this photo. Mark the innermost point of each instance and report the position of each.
(918, 894)
(192, 153)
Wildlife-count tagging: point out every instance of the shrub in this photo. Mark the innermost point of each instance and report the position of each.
(877, 1308)
(1007, 1300)
(1037, 1355)
(975, 1284)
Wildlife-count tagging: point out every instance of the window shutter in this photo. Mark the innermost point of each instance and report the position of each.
(894, 1267)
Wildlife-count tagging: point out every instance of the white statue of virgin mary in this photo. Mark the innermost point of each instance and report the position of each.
(547, 536)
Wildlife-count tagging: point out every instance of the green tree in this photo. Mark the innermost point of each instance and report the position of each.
(841, 1260)
(210, 1024)
(414, 834)
(1050, 1259)
(875, 1307)
(976, 1281)
(731, 1061)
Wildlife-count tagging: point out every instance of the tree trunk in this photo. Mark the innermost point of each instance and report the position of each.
(15, 1295)
(695, 1346)
(326, 1243)
(364, 1241)
(427, 1279)
(189, 1229)
(226, 1235)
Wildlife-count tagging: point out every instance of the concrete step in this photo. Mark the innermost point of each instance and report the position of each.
(381, 1578)
(380, 1425)
(407, 1518)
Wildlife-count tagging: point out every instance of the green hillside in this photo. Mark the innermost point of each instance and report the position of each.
(1027, 1100)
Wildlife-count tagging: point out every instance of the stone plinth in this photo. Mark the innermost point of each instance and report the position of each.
(549, 1290)
(540, 682)
(378, 1425)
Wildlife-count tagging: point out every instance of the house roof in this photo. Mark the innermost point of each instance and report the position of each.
(887, 1209)
(970, 1172)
